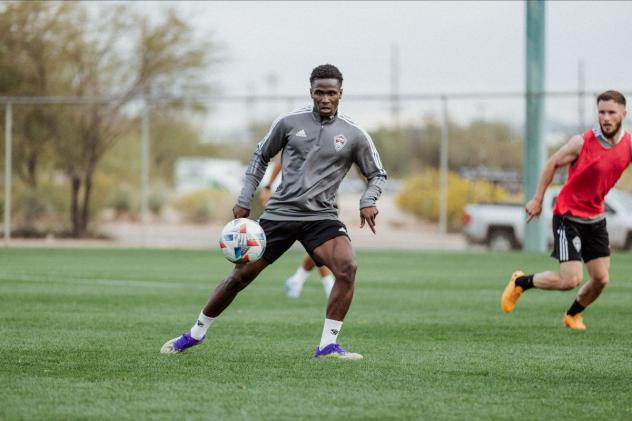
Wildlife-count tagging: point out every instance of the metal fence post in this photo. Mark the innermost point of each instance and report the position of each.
(144, 170)
(8, 120)
(443, 169)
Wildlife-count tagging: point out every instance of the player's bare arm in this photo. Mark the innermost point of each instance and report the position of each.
(566, 155)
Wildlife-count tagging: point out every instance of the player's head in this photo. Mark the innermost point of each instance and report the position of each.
(326, 89)
(612, 112)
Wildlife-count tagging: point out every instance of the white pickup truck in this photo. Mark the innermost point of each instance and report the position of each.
(501, 226)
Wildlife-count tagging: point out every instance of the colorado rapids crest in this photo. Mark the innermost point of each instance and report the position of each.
(339, 142)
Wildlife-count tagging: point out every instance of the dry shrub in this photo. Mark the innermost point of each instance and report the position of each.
(205, 205)
(420, 196)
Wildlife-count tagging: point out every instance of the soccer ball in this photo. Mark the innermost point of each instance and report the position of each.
(242, 241)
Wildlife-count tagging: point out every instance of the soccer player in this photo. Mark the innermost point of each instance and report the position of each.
(318, 147)
(294, 284)
(596, 161)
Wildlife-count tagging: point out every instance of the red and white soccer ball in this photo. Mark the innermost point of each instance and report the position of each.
(242, 241)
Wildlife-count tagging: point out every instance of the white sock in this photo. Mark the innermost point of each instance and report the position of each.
(328, 283)
(198, 331)
(331, 329)
(300, 276)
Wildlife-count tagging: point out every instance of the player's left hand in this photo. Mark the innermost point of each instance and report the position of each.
(368, 215)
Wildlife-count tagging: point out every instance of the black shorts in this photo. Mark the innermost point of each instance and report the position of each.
(280, 235)
(576, 241)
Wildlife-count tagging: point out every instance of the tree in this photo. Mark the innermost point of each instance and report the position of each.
(165, 61)
(89, 50)
(491, 144)
(29, 66)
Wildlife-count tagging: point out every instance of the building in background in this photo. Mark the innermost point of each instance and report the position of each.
(199, 173)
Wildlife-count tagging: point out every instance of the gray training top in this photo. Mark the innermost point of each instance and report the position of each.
(317, 154)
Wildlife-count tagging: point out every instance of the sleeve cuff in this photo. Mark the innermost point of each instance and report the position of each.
(242, 205)
(367, 204)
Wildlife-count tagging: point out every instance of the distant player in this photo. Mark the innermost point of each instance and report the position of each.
(294, 284)
(596, 161)
(318, 148)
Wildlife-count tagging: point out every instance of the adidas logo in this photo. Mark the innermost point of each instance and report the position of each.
(301, 133)
(334, 331)
(199, 323)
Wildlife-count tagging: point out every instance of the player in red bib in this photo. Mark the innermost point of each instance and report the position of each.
(596, 161)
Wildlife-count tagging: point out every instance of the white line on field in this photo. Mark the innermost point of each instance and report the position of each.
(104, 282)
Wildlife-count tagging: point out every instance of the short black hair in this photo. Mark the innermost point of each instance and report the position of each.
(615, 96)
(325, 71)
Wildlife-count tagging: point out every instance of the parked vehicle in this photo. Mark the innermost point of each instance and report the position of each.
(501, 226)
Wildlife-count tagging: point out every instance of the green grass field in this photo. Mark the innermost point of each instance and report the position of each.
(81, 331)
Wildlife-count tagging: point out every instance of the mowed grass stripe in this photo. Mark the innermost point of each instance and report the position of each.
(429, 325)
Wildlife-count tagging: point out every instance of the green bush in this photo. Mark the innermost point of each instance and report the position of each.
(121, 202)
(41, 210)
(420, 196)
(206, 205)
(156, 202)
(33, 206)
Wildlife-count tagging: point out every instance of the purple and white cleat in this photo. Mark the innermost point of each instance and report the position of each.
(180, 344)
(336, 351)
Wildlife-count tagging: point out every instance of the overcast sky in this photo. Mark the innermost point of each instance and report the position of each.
(444, 47)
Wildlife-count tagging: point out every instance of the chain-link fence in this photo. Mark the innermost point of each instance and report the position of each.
(166, 170)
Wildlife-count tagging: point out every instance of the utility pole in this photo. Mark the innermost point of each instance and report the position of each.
(250, 111)
(395, 106)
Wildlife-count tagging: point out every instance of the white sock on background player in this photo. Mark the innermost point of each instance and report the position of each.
(328, 283)
(294, 284)
(300, 276)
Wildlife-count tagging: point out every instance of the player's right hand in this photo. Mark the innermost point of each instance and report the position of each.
(240, 212)
(533, 209)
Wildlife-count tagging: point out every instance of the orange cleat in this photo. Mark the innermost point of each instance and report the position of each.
(511, 293)
(574, 322)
